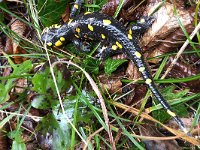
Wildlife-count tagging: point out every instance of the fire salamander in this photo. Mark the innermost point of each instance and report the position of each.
(100, 27)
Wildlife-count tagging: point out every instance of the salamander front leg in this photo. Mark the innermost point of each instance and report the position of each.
(81, 46)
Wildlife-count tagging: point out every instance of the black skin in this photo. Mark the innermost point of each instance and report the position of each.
(114, 32)
(138, 29)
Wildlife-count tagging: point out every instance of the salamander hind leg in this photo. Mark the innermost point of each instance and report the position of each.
(81, 46)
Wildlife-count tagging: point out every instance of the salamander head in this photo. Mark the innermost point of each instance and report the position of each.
(53, 35)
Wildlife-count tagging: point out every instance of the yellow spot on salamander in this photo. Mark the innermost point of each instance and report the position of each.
(138, 55)
(85, 36)
(90, 27)
(130, 37)
(62, 39)
(49, 44)
(141, 69)
(76, 36)
(78, 30)
(114, 47)
(58, 43)
(76, 6)
(56, 26)
(70, 20)
(148, 81)
(106, 22)
(103, 36)
(130, 32)
(142, 20)
(86, 13)
(119, 45)
(171, 113)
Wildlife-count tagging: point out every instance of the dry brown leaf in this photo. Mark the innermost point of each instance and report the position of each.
(20, 29)
(3, 138)
(110, 84)
(8, 47)
(182, 69)
(165, 22)
(150, 130)
(132, 71)
(65, 15)
(21, 85)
